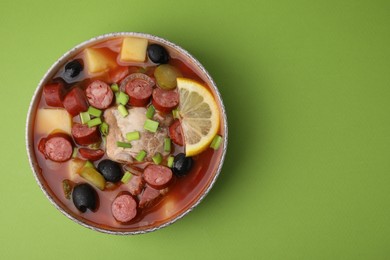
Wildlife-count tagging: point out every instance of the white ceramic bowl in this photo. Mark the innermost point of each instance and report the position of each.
(35, 101)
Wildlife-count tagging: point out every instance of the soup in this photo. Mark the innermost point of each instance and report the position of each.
(127, 134)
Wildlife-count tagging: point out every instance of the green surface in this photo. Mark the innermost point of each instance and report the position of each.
(306, 87)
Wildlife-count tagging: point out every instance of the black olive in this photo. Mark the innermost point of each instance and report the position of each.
(84, 197)
(73, 68)
(181, 164)
(158, 54)
(110, 170)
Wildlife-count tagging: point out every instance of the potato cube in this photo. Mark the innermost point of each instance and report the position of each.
(98, 61)
(134, 49)
(48, 119)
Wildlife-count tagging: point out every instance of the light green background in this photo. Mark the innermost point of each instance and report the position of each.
(306, 87)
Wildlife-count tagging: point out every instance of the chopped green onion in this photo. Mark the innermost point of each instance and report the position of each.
(175, 114)
(157, 158)
(151, 125)
(140, 156)
(94, 122)
(84, 117)
(150, 112)
(75, 151)
(89, 164)
(122, 110)
(115, 87)
(104, 128)
(122, 98)
(216, 142)
(123, 144)
(94, 112)
(170, 161)
(126, 177)
(131, 136)
(167, 144)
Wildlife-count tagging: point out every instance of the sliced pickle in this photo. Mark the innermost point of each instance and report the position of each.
(93, 176)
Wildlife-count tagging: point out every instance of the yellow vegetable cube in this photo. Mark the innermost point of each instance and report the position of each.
(133, 49)
(98, 61)
(48, 119)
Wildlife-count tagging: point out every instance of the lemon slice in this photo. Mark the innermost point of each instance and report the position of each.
(199, 115)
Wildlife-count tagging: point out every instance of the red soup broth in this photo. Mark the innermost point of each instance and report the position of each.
(183, 193)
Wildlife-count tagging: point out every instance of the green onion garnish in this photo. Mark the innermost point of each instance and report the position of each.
(133, 136)
(84, 117)
(104, 128)
(122, 110)
(151, 125)
(126, 177)
(89, 164)
(123, 144)
(94, 111)
(94, 122)
(216, 143)
(150, 112)
(167, 144)
(115, 87)
(122, 98)
(157, 158)
(75, 151)
(175, 114)
(170, 161)
(140, 156)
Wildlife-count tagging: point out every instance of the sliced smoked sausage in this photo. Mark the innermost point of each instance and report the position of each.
(84, 135)
(158, 176)
(99, 94)
(139, 87)
(54, 94)
(176, 133)
(56, 147)
(75, 102)
(165, 100)
(91, 154)
(124, 208)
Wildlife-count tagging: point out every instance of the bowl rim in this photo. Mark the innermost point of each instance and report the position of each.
(35, 99)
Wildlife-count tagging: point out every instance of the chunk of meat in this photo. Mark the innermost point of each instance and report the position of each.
(85, 135)
(118, 74)
(124, 208)
(91, 154)
(165, 100)
(54, 94)
(158, 176)
(164, 119)
(56, 147)
(136, 184)
(75, 102)
(139, 87)
(176, 133)
(150, 196)
(119, 126)
(99, 94)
